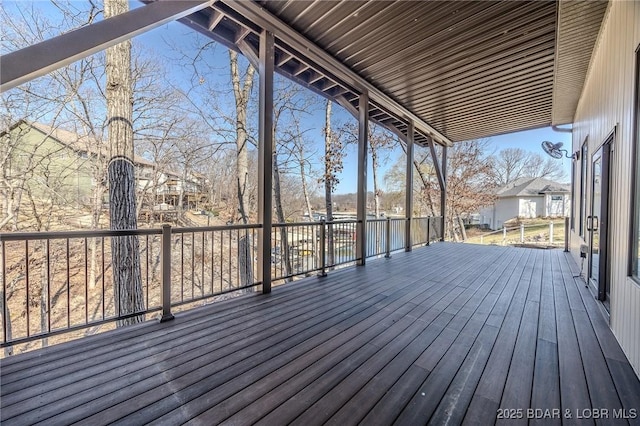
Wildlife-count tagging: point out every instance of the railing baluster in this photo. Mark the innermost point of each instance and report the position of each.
(193, 264)
(202, 268)
(86, 281)
(48, 287)
(166, 274)
(103, 274)
(323, 256)
(182, 267)
(148, 249)
(388, 238)
(68, 286)
(5, 315)
(27, 270)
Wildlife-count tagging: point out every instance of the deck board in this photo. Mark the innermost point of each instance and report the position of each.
(446, 334)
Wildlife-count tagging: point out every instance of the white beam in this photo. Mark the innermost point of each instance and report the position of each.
(259, 15)
(39, 59)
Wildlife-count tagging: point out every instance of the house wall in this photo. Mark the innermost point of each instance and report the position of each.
(557, 208)
(530, 207)
(51, 169)
(606, 104)
(505, 209)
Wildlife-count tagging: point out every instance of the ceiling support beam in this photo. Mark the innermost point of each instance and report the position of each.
(257, 14)
(363, 143)
(249, 52)
(265, 159)
(443, 193)
(215, 19)
(40, 59)
(441, 174)
(436, 164)
(408, 199)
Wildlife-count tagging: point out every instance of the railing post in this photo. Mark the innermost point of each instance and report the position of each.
(388, 238)
(323, 255)
(551, 233)
(166, 274)
(428, 230)
(504, 235)
(522, 232)
(566, 234)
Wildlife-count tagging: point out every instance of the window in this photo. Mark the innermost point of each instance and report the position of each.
(584, 161)
(635, 234)
(573, 195)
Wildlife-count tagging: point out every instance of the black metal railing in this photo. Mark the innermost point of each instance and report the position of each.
(60, 282)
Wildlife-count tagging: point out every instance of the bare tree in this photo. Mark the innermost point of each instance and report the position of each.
(121, 171)
(510, 164)
(469, 183)
(425, 184)
(242, 92)
(333, 156)
(381, 142)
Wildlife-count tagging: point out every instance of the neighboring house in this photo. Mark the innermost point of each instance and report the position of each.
(60, 163)
(46, 162)
(527, 198)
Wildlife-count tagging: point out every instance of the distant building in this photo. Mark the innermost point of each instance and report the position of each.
(527, 198)
(59, 163)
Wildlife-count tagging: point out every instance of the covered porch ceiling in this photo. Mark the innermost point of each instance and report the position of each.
(452, 70)
(460, 69)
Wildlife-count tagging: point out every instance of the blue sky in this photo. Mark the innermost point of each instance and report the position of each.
(174, 33)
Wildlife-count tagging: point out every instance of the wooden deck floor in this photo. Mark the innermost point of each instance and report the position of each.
(450, 333)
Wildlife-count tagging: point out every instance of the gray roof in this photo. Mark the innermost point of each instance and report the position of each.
(532, 186)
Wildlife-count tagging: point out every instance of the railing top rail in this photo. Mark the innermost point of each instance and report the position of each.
(187, 230)
(333, 222)
(284, 225)
(52, 235)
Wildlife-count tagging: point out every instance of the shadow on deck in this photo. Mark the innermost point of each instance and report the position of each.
(447, 333)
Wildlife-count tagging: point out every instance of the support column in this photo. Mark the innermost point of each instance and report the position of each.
(408, 202)
(265, 159)
(443, 193)
(363, 135)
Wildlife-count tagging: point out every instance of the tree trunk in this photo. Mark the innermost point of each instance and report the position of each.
(303, 177)
(245, 260)
(463, 231)
(96, 211)
(125, 254)
(44, 297)
(277, 195)
(376, 192)
(328, 184)
(241, 94)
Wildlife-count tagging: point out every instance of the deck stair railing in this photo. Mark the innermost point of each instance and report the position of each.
(62, 282)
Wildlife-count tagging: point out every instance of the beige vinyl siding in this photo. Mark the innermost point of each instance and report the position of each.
(607, 104)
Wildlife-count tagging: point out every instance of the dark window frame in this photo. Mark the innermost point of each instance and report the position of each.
(634, 260)
(584, 171)
(573, 196)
